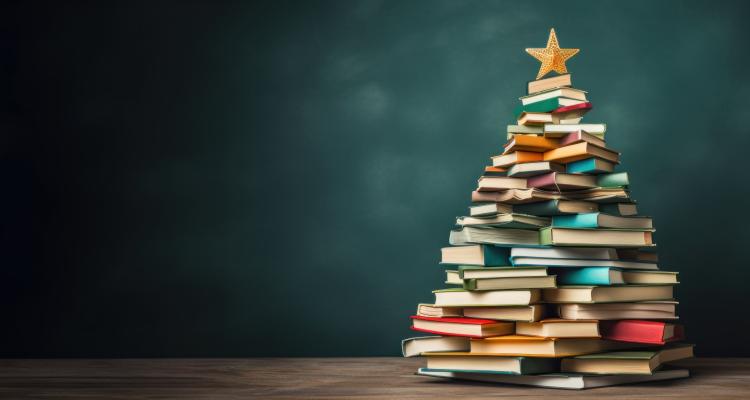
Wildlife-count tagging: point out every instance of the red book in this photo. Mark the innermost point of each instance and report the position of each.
(636, 331)
(468, 327)
(574, 107)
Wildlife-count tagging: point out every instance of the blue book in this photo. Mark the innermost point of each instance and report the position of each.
(590, 166)
(600, 220)
(590, 276)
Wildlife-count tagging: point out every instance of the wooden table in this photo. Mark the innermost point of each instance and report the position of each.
(318, 378)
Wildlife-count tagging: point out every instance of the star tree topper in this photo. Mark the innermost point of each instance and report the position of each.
(552, 57)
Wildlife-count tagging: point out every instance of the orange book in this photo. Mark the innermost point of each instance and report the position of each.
(579, 151)
(494, 170)
(538, 144)
(516, 158)
(532, 346)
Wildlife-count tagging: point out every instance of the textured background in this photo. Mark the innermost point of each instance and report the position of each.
(276, 178)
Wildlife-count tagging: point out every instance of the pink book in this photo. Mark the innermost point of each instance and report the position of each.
(542, 181)
(580, 136)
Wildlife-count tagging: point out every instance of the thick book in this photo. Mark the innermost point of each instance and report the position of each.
(552, 82)
(638, 331)
(530, 313)
(475, 255)
(494, 236)
(595, 237)
(590, 165)
(617, 311)
(538, 144)
(601, 220)
(624, 209)
(607, 276)
(576, 253)
(581, 263)
(466, 298)
(521, 221)
(617, 179)
(473, 272)
(559, 182)
(626, 362)
(579, 151)
(466, 327)
(567, 92)
(534, 282)
(526, 170)
(559, 328)
(557, 380)
(547, 106)
(517, 157)
(499, 183)
(491, 209)
(431, 310)
(552, 208)
(467, 362)
(415, 346)
(557, 130)
(599, 195)
(578, 137)
(532, 346)
(607, 294)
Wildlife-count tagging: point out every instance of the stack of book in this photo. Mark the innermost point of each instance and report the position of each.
(554, 274)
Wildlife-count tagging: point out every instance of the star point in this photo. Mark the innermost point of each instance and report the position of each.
(552, 57)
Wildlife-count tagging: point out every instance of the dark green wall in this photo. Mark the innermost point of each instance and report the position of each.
(276, 178)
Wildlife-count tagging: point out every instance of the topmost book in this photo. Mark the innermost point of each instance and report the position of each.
(549, 83)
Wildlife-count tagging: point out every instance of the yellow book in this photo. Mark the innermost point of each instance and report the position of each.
(532, 346)
(579, 151)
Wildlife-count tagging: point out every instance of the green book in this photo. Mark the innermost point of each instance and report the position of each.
(545, 106)
(617, 179)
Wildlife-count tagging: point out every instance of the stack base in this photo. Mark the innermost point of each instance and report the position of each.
(558, 381)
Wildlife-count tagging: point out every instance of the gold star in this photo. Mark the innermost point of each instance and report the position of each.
(552, 57)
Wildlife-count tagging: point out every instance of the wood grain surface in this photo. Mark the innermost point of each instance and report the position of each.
(319, 378)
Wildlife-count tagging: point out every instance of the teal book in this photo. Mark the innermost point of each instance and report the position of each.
(467, 362)
(618, 179)
(587, 220)
(600, 220)
(590, 166)
(590, 276)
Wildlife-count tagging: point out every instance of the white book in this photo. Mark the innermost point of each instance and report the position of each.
(586, 253)
(557, 381)
(558, 130)
(417, 345)
(565, 262)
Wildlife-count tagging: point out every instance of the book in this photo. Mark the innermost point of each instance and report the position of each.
(530, 313)
(601, 220)
(453, 278)
(650, 277)
(591, 165)
(472, 272)
(534, 168)
(531, 282)
(615, 311)
(638, 331)
(595, 237)
(590, 276)
(415, 346)
(490, 209)
(599, 195)
(557, 380)
(465, 298)
(641, 255)
(475, 255)
(557, 130)
(538, 144)
(559, 181)
(571, 113)
(567, 92)
(513, 130)
(467, 327)
(462, 361)
(532, 195)
(555, 207)
(624, 209)
(626, 362)
(496, 236)
(494, 171)
(532, 346)
(578, 137)
(521, 221)
(617, 179)
(607, 294)
(499, 183)
(580, 263)
(431, 310)
(552, 82)
(517, 157)
(535, 118)
(579, 151)
(581, 253)
(548, 105)
(559, 328)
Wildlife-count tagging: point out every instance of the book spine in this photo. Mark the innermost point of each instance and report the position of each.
(596, 276)
(571, 138)
(588, 220)
(617, 179)
(545, 236)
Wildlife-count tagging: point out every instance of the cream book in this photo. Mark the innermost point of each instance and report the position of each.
(559, 328)
(415, 346)
(531, 313)
(607, 294)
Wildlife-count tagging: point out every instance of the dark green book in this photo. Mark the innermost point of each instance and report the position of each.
(617, 179)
